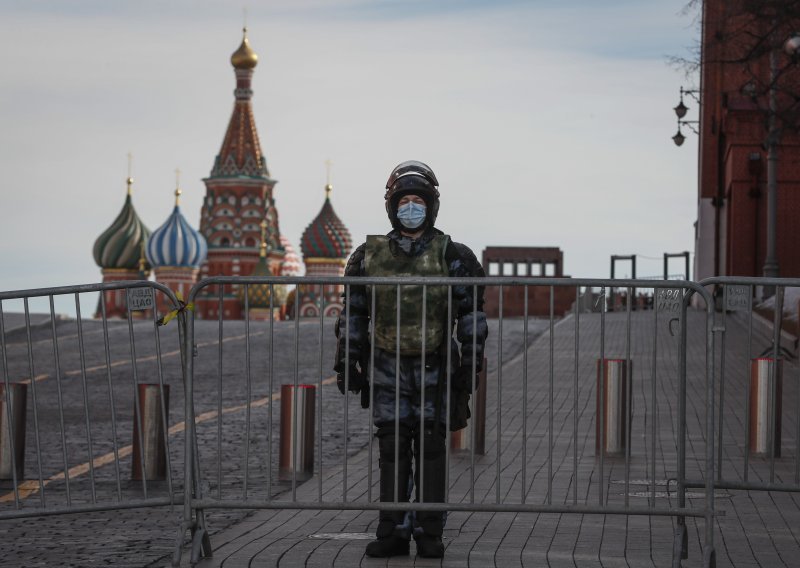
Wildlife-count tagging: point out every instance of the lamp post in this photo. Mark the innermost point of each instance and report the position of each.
(771, 267)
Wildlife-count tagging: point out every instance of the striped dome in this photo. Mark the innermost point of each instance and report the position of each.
(326, 236)
(291, 265)
(175, 243)
(120, 246)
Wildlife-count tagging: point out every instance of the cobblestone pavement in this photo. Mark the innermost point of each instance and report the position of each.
(758, 529)
(93, 392)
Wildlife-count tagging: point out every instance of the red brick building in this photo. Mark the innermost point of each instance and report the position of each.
(731, 228)
(525, 262)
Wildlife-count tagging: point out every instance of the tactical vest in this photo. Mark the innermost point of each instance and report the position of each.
(379, 260)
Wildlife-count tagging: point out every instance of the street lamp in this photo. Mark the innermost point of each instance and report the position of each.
(680, 111)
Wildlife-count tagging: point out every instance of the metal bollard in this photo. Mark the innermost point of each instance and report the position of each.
(461, 440)
(151, 447)
(763, 372)
(612, 385)
(16, 398)
(297, 431)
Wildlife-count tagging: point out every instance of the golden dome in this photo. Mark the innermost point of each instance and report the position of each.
(244, 57)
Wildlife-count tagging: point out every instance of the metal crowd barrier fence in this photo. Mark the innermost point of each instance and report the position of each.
(750, 455)
(541, 400)
(70, 446)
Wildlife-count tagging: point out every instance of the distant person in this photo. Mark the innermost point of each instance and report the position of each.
(413, 248)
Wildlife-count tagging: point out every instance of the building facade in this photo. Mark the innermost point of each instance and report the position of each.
(734, 127)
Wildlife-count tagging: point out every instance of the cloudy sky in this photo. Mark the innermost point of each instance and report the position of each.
(547, 122)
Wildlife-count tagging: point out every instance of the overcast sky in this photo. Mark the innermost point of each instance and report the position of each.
(547, 122)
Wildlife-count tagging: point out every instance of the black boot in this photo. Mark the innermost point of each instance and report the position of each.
(392, 540)
(392, 545)
(430, 546)
(429, 543)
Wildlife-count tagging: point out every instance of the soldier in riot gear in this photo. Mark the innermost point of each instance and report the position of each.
(413, 248)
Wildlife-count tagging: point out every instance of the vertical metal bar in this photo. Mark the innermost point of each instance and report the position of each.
(474, 380)
(575, 396)
(423, 377)
(346, 384)
(85, 393)
(270, 381)
(722, 381)
(371, 392)
(249, 389)
(319, 392)
(601, 414)
(189, 469)
(9, 417)
(42, 499)
(682, 405)
(773, 375)
(164, 418)
(524, 484)
(397, 399)
(448, 370)
(60, 396)
(653, 407)
(111, 404)
(747, 422)
(137, 403)
(499, 392)
(550, 405)
(628, 393)
(709, 478)
(296, 401)
(220, 289)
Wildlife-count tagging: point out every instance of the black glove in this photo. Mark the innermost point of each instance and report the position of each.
(459, 410)
(357, 380)
(462, 379)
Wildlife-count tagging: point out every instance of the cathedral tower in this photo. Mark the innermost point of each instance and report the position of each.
(119, 252)
(326, 244)
(239, 196)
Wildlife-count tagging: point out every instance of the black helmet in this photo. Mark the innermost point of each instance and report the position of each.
(412, 177)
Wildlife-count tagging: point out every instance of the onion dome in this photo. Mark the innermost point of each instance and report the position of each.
(258, 294)
(291, 265)
(326, 236)
(244, 57)
(119, 247)
(175, 243)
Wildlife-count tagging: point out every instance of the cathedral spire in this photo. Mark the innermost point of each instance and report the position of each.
(240, 154)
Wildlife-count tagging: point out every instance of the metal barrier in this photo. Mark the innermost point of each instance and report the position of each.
(748, 368)
(83, 401)
(543, 447)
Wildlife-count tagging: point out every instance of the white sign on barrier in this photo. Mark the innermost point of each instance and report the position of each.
(140, 299)
(669, 300)
(738, 297)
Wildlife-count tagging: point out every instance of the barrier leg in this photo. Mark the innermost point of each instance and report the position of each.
(765, 413)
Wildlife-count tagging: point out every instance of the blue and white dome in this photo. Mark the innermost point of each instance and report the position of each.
(175, 243)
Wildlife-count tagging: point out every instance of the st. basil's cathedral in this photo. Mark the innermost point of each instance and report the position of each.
(239, 233)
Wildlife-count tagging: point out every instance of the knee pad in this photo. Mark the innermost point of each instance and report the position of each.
(386, 442)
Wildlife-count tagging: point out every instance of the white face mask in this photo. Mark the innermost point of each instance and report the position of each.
(411, 215)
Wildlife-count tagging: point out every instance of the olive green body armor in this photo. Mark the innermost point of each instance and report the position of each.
(380, 260)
